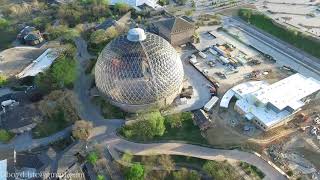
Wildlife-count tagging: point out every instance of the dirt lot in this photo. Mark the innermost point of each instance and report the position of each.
(14, 60)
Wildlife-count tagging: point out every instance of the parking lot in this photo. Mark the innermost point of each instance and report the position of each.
(226, 75)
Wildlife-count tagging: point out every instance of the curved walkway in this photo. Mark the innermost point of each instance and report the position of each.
(112, 141)
(105, 133)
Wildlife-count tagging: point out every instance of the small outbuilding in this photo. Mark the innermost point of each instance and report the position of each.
(30, 35)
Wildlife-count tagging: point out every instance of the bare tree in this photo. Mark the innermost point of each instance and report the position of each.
(82, 129)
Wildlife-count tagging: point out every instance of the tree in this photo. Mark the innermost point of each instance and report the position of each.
(61, 75)
(100, 177)
(163, 2)
(3, 23)
(185, 174)
(112, 32)
(127, 157)
(3, 80)
(92, 157)
(98, 37)
(64, 72)
(5, 135)
(122, 7)
(176, 120)
(62, 31)
(147, 126)
(70, 13)
(82, 129)
(188, 12)
(219, 171)
(166, 163)
(147, 129)
(135, 172)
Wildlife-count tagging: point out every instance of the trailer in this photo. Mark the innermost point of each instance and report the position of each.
(193, 61)
(203, 55)
(224, 60)
(213, 101)
(212, 51)
(221, 52)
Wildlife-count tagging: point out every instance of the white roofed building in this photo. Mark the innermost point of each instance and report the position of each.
(269, 106)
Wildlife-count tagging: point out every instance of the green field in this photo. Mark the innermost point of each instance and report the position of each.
(290, 36)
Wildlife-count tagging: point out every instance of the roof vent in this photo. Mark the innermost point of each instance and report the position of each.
(136, 34)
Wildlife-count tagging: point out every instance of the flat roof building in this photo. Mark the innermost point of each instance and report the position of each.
(269, 106)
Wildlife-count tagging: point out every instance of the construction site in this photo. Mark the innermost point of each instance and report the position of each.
(225, 62)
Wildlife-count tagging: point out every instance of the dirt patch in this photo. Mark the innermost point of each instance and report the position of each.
(310, 155)
(14, 60)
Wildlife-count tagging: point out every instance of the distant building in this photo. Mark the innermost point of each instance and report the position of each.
(269, 106)
(30, 36)
(119, 24)
(135, 3)
(176, 30)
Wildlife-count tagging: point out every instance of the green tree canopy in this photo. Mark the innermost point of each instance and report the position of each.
(92, 157)
(3, 23)
(3, 80)
(135, 172)
(219, 170)
(147, 126)
(185, 174)
(122, 7)
(61, 74)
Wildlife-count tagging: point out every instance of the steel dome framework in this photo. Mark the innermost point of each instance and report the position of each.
(139, 73)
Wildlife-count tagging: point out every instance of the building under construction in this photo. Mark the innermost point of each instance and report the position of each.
(272, 105)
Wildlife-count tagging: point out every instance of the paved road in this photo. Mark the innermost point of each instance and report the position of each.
(25, 142)
(113, 141)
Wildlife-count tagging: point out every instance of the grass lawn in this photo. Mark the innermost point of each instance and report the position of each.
(51, 125)
(5, 136)
(292, 37)
(252, 170)
(187, 132)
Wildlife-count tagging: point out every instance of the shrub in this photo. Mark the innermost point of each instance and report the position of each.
(135, 172)
(92, 157)
(82, 129)
(147, 126)
(3, 23)
(176, 120)
(61, 74)
(3, 80)
(219, 171)
(5, 136)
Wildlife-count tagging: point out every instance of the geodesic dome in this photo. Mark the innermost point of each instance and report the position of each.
(139, 70)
